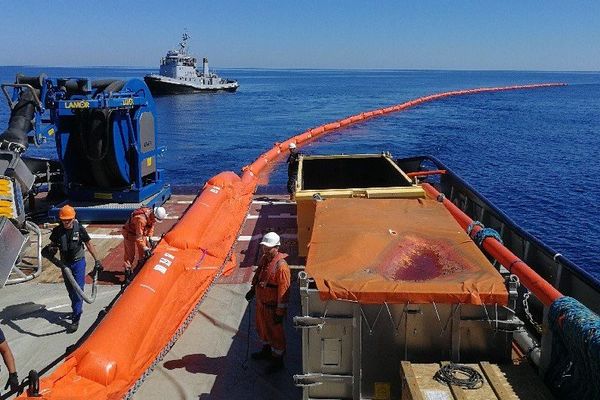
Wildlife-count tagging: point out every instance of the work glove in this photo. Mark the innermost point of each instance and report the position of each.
(13, 382)
(49, 251)
(250, 295)
(147, 253)
(98, 266)
(277, 319)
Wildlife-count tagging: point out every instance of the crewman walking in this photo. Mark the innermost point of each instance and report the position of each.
(292, 162)
(271, 284)
(137, 232)
(70, 237)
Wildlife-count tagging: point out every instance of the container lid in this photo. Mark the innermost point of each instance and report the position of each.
(397, 251)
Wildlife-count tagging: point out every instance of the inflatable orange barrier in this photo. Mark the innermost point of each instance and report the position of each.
(331, 126)
(345, 121)
(152, 312)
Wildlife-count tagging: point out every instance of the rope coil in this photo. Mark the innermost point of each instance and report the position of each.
(459, 375)
(482, 233)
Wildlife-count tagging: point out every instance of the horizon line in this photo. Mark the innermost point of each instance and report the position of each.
(315, 68)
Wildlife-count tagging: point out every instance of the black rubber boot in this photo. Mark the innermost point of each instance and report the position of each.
(276, 365)
(264, 354)
(73, 326)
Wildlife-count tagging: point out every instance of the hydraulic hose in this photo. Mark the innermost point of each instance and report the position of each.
(20, 122)
(47, 253)
(107, 85)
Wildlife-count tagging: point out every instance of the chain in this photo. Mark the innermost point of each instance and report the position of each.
(537, 326)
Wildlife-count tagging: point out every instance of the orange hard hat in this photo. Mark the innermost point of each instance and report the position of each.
(66, 212)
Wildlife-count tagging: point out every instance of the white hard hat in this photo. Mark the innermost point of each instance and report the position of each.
(271, 239)
(159, 213)
(292, 145)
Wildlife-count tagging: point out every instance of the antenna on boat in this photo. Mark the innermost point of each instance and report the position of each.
(183, 43)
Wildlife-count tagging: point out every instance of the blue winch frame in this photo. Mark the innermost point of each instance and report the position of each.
(94, 203)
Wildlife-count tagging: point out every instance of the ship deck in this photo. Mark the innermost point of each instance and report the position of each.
(211, 358)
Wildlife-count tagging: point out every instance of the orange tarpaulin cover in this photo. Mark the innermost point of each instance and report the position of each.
(397, 251)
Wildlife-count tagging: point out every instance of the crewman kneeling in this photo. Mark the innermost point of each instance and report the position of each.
(70, 237)
(137, 232)
(271, 284)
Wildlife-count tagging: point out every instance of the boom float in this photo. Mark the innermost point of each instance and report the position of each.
(152, 313)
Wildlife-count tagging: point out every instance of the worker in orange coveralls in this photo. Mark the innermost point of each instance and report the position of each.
(271, 284)
(137, 232)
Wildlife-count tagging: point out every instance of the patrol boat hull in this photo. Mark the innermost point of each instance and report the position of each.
(161, 85)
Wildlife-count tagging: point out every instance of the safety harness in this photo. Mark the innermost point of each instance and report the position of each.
(73, 244)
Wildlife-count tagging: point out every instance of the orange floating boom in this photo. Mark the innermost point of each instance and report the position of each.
(262, 161)
(545, 292)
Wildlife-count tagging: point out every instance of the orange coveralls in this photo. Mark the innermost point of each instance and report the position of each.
(272, 284)
(135, 231)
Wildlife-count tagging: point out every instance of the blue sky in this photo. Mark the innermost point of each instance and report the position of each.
(514, 35)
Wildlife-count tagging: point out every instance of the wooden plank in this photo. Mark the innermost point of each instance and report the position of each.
(413, 392)
(500, 381)
(522, 381)
(494, 381)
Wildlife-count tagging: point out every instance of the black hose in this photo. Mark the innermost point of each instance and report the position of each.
(95, 143)
(73, 86)
(107, 85)
(48, 253)
(20, 122)
(35, 81)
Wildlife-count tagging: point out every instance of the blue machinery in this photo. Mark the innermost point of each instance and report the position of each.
(105, 134)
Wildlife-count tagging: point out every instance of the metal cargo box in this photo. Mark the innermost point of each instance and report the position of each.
(343, 176)
(392, 280)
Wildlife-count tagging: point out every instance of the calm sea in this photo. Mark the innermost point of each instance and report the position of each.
(533, 153)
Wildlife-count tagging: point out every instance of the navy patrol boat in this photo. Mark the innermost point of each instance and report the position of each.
(179, 74)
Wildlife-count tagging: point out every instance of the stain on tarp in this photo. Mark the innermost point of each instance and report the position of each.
(413, 258)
